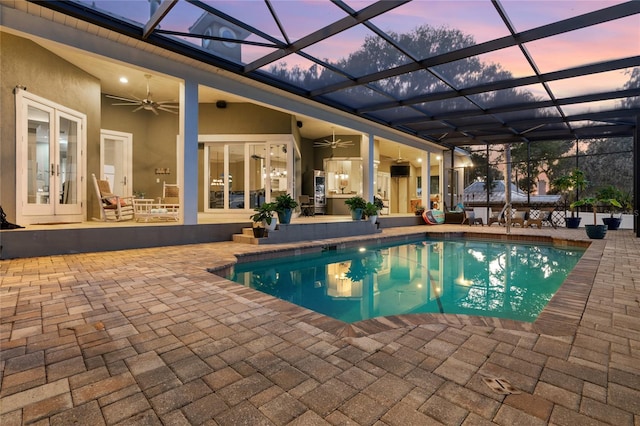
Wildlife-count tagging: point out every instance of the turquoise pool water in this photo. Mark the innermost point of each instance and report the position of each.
(497, 279)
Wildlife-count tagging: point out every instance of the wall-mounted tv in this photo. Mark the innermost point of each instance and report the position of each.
(400, 170)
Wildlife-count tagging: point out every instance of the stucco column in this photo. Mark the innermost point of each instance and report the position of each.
(426, 180)
(366, 150)
(188, 151)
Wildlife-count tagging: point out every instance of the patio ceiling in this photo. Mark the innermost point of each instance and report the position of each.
(452, 72)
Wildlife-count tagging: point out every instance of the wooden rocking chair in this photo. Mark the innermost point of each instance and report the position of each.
(113, 208)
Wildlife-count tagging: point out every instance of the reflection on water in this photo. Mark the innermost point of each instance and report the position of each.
(504, 280)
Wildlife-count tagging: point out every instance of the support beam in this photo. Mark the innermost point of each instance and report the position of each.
(636, 178)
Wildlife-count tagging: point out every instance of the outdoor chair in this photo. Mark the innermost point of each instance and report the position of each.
(471, 219)
(113, 208)
(170, 193)
(306, 207)
(540, 218)
(519, 217)
(497, 217)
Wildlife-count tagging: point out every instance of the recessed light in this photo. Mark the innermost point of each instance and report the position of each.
(124, 80)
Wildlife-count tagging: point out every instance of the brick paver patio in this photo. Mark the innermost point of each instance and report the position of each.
(150, 337)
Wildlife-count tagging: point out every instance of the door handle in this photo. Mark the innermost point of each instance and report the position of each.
(52, 169)
(125, 180)
(57, 169)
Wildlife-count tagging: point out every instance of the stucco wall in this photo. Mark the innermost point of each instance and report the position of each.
(25, 63)
(241, 118)
(154, 143)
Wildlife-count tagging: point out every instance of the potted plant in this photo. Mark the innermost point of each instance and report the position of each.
(371, 211)
(565, 184)
(264, 216)
(607, 194)
(284, 206)
(419, 210)
(595, 231)
(356, 205)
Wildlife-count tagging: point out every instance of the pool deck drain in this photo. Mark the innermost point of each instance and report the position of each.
(178, 345)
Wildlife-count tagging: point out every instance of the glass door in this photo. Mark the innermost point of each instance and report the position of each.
(67, 182)
(49, 160)
(116, 163)
(40, 169)
(244, 175)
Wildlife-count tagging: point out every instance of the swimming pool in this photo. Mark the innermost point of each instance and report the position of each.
(473, 277)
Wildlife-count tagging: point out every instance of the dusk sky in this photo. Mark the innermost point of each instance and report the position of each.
(613, 40)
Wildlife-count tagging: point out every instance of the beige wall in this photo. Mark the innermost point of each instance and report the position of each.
(154, 144)
(242, 118)
(49, 76)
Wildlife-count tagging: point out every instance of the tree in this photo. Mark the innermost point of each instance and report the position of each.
(479, 170)
(608, 162)
(536, 158)
(425, 41)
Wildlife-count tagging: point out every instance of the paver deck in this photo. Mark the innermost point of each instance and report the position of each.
(151, 337)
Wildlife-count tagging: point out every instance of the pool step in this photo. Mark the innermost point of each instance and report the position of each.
(309, 231)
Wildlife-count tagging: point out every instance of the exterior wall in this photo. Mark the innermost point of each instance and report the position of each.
(154, 144)
(242, 118)
(25, 63)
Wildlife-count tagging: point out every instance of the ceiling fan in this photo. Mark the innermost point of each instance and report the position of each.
(333, 143)
(147, 103)
(400, 159)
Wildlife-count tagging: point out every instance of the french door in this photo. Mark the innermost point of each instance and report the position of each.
(49, 161)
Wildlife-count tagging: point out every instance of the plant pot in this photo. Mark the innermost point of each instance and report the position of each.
(572, 222)
(356, 214)
(612, 223)
(270, 227)
(284, 217)
(258, 232)
(596, 232)
(373, 219)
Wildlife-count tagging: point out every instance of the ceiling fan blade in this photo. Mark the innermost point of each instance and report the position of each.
(132, 103)
(138, 109)
(120, 98)
(164, 108)
(154, 110)
(169, 104)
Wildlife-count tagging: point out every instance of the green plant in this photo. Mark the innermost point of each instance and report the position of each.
(285, 202)
(574, 180)
(356, 202)
(264, 212)
(593, 202)
(608, 194)
(370, 209)
(378, 202)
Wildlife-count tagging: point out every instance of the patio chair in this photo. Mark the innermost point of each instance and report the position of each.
(497, 217)
(471, 219)
(113, 208)
(519, 217)
(542, 218)
(170, 193)
(306, 207)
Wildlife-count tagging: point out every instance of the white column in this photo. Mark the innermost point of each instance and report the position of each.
(366, 151)
(188, 151)
(426, 180)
